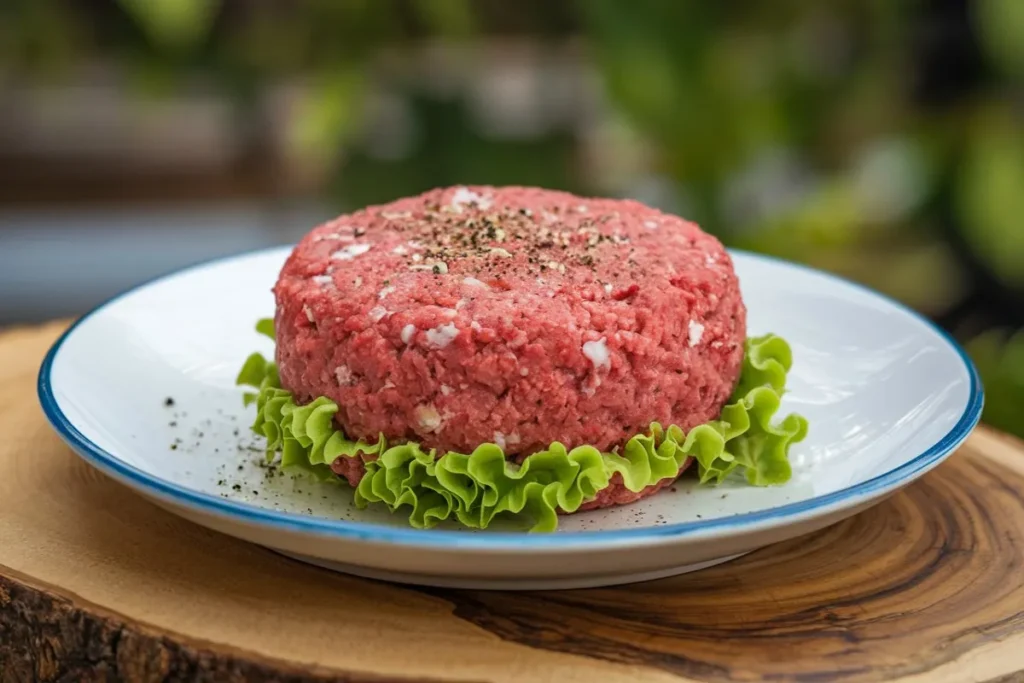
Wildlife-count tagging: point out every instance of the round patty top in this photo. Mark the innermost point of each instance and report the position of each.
(512, 315)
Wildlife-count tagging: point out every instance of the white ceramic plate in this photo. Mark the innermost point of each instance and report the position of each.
(888, 396)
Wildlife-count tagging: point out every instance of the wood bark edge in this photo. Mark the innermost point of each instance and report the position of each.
(48, 636)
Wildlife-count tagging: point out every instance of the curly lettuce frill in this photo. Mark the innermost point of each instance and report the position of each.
(476, 488)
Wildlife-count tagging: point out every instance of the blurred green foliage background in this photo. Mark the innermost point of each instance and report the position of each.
(877, 139)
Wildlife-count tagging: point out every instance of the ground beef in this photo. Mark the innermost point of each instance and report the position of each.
(511, 315)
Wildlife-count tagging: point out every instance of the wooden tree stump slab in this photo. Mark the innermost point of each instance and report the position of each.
(98, 585)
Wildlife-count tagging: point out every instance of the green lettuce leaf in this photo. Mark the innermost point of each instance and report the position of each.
(478, 487)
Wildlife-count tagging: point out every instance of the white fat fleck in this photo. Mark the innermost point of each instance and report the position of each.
(499, 439)
(550, 217)
(413, 244)
(450, 312)
(394, 215)
(344, 375)
(351, 251)
(388, 385)
(384, 292)
(555, 265)
(465, 196)
(512, 439)
(377, 313)
(523, 372)
(407, 333)
(446, 390)
(309, 313)
(334, 237)
(716, 345)
(597, 353)
(500, 253)
(439, 268)
(581, 208)
(442, 335)
(358, 282)
(460, 303)
(475, 326)
(427, 417)
(651, 225)
(400, 250)
(710, 260)
(323, 279)
(696, 333)
(473, 282)
(417, 258)
(608, 288)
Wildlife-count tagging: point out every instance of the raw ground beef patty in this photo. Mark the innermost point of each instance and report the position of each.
(511, 315)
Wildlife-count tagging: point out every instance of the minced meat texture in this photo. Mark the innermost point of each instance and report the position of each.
(511, 315)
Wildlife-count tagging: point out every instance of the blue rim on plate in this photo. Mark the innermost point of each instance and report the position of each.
(380, 533)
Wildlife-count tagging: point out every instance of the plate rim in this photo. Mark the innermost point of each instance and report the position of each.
(341, 529)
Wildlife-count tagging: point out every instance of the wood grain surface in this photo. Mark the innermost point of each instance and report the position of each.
(98, 585)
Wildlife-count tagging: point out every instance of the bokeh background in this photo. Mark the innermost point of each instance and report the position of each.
(878, 139)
